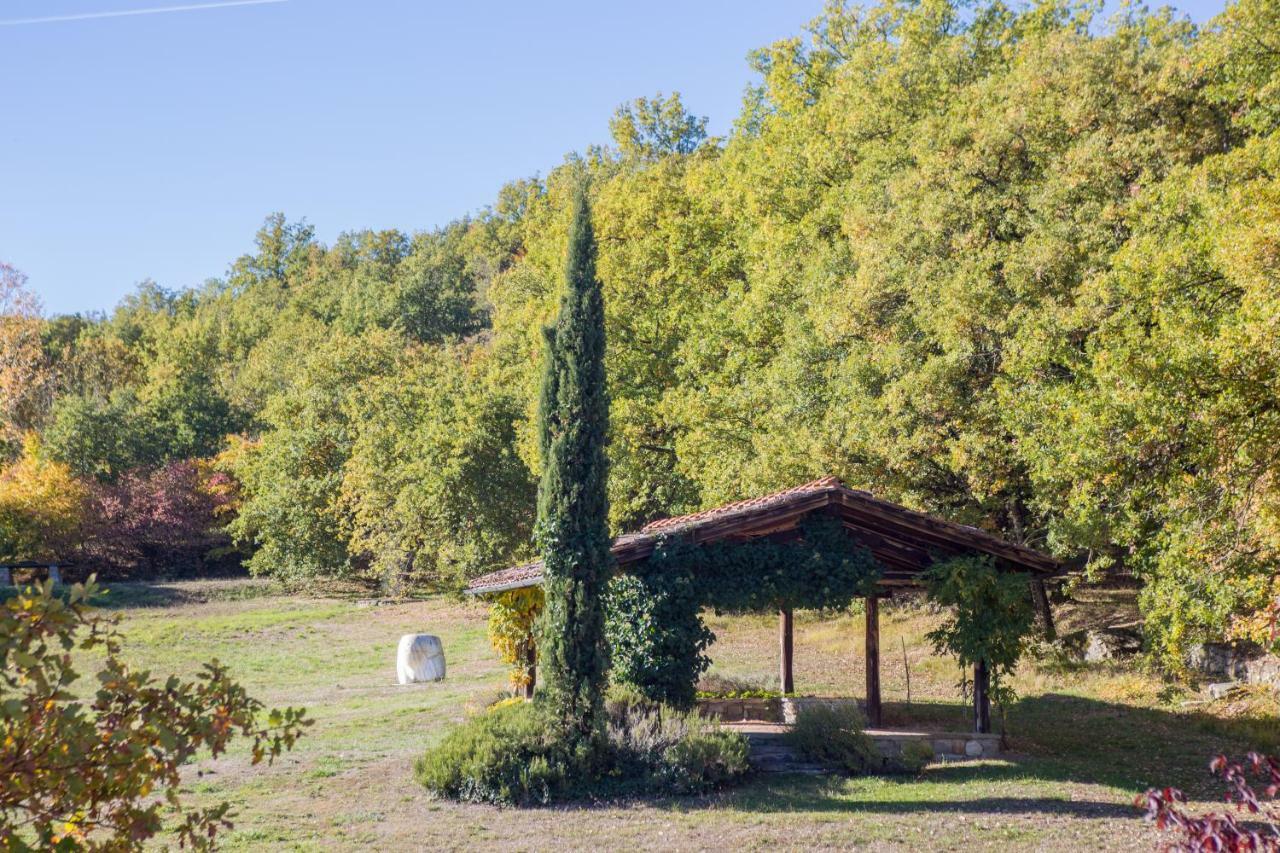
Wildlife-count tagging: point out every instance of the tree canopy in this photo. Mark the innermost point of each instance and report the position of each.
(1013, 267)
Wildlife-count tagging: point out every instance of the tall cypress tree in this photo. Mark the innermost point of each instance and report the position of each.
(573, 507)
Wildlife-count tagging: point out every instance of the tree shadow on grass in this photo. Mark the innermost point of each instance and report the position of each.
(832, 795)
(1056, 740)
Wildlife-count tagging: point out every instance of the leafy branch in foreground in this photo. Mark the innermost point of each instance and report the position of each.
(81, 774)
(1222, 831)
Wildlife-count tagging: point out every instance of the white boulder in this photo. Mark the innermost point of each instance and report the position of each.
(420, 658)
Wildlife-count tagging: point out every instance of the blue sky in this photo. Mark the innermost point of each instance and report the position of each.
(153, 145)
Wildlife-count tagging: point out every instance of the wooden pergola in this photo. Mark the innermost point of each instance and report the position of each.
(905, 543)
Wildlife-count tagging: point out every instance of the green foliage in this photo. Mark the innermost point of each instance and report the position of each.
(991, 617)
(656, 637)
(433, 490)
(1015, 267)
(833, 735)
(650, 128)
(658, 749)
(513, 617)
(657, 642)
(511, 754)
(519, 754)
(821, 570)
(78, 774)
(572, 530)
(293, 474)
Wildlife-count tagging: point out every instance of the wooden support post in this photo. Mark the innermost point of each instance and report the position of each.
(55, 575)
(785, 640)
(873, 661)
(1044, 614)
(531, 664)
(6, 577)
(981, 698)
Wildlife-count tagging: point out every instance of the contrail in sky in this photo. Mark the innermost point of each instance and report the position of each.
(125, 13)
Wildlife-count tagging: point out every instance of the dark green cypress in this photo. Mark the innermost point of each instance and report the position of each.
(573, 508)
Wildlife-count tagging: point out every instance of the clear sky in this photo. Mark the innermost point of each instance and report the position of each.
(152, 145)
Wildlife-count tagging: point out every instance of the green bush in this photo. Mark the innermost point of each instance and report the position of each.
(833, 735)
(663, 750)
(915, 756)
(512, 754)
(507, 754)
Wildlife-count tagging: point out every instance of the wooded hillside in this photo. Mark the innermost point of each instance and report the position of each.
(1020, 269)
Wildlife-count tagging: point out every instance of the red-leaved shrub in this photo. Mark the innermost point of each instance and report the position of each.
(1223, 831)
(162, 522)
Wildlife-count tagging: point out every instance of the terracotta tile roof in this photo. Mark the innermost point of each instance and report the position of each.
(526, 574)
(666, 525)
(904, 540)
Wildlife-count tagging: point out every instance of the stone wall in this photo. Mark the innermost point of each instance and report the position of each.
(947, 746)
(1235, 663)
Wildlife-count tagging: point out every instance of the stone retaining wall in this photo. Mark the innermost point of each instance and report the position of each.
(947, 746)
(1235, 662)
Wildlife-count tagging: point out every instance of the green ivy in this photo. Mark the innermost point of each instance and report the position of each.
(654, 624)
(656, 637)
(991, 617)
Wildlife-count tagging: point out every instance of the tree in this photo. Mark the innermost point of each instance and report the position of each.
(26, 377)
(161, 521)
(434, 489)
(572, 529)
(651, 128)
(78, 774)
(42, 507)
(292, 476)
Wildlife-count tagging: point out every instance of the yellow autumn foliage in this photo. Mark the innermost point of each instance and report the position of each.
(511, 621)
(42, 506)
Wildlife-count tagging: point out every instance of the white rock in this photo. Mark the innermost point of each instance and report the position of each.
(420, 658)
(973, 749)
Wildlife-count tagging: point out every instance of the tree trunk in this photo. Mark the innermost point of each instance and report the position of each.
(981, 698)
(1044, 614)
(531, 665)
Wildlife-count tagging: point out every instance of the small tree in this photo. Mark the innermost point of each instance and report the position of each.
(991, 617)
(81, 774)
(42, 506)
(572, 531)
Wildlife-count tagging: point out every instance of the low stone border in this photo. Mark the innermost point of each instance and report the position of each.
(947, 746)
(738, 710)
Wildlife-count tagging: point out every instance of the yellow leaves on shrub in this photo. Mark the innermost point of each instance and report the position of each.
(511, 620)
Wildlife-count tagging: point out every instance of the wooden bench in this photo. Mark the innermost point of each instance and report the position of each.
(54, 570)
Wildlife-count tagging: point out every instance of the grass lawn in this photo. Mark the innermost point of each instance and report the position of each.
(1086, 739)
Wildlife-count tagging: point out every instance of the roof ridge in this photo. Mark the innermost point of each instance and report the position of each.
(830, 481)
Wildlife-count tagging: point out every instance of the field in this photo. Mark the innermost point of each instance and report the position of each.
(1085, 739)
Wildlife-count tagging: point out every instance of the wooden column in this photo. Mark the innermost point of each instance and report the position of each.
(1044, 614)
(785, 642)
(873, 661)
(981, 698)
(531, 663)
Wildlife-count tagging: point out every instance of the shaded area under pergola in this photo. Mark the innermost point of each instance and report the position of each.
(904, 542)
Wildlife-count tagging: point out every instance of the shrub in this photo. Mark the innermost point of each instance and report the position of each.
(915, 756)
(1252, 786)
(667, 750)
(833, 735)
(509, 754)
(513, 754)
